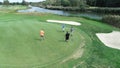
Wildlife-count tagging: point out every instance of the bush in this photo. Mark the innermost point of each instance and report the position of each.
(105, 10)
(112, 20)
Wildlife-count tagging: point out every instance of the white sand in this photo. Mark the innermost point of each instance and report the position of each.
(65, 22)
(110, 39)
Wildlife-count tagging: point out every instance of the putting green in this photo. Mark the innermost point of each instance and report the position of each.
(20, 44)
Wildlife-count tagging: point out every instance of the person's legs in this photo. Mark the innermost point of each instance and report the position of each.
(63, 29)
(41, 37)
(66, 39)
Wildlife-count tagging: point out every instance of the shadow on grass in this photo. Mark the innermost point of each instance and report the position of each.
(61, 40)
(59, 31)
(38, 39)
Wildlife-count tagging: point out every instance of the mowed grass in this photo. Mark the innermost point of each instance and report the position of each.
(20, 44)
(96, 54)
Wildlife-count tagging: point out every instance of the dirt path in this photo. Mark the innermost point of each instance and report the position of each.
(76, 54)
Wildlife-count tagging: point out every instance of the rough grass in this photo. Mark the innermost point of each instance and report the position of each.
(10, 8)
(112, 20)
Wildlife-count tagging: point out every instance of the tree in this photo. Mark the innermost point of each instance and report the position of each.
(104, 3)
(112, 3)
(24, 2)
(0, 3)
(65, 3)
(91, 2)
(50, 2)
(81, 3)
(6, 2)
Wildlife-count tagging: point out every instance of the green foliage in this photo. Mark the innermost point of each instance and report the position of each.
(10, 8)
(6, 2)
(71, 3)
(104, 10)
(104, 3)
(65, 3)
(24, 2)
(112, 20)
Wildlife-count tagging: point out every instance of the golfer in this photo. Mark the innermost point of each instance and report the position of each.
(71, 30)
(67, 36)
(63, 27)
(42, 34)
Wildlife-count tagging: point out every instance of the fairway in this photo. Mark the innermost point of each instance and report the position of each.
(20, 44)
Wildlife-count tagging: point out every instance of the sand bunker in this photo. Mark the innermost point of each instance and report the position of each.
(65, 22)
(110, 39)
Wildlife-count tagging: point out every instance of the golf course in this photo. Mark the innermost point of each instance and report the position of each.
(21, 46)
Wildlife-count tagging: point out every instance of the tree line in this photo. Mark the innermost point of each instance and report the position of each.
(104, 3)
(65, 3)
(70, 3)
(78, 3)
(6, 2)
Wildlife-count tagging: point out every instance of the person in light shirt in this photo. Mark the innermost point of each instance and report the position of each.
(63, 27)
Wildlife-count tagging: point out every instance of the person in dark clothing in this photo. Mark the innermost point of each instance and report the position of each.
(67, 36)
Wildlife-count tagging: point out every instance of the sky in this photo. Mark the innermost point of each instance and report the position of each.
(22, 0)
